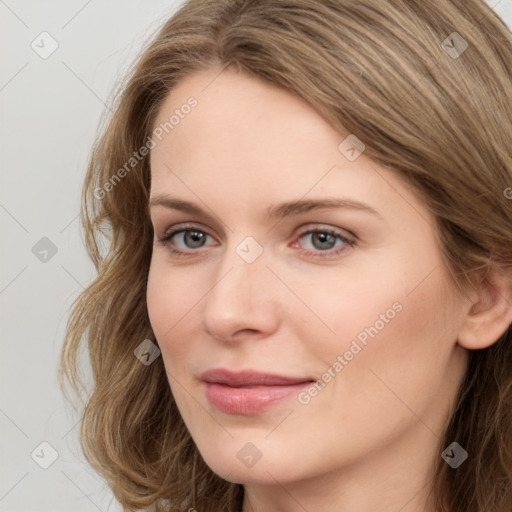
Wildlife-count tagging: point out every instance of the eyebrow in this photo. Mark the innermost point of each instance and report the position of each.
(278, 211)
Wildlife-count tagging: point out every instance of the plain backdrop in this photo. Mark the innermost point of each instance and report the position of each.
(59, 63)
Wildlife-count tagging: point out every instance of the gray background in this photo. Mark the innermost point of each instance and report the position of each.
(50, 112)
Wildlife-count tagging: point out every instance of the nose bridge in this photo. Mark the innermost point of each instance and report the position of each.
(242, 296)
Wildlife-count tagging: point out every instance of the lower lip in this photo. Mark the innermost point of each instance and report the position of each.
(249, 400)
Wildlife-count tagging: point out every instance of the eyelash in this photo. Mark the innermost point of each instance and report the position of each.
(165, 240)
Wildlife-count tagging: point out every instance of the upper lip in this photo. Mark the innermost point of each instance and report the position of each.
(249, 378)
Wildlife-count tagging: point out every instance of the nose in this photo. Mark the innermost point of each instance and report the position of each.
(244, 300)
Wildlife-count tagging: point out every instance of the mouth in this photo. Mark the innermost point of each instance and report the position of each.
(249, 392)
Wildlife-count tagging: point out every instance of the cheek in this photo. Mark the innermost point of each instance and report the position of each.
(405, 360)
(165, 304)
(402, 372)
(348, 304)
(173, 301)
(157, 300)
(394, 319)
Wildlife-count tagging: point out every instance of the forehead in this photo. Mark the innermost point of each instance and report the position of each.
(246, 139)
(237, 112)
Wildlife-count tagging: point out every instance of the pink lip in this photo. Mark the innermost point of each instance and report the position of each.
(249, 392)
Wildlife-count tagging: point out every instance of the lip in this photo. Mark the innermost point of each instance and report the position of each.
(249, 392)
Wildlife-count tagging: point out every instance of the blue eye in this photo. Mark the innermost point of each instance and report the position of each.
(190, 238)
(322, 240)
(325, 242)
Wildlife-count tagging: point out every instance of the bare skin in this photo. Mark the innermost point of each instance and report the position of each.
(367, 439)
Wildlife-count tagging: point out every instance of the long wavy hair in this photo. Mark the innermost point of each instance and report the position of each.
(427, 86)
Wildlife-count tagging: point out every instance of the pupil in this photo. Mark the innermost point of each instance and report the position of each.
(326, 240)
(194, 238)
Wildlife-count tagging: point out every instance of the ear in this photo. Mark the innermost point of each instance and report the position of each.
(490, 313)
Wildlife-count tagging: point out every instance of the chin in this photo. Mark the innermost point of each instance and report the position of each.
(238, 467)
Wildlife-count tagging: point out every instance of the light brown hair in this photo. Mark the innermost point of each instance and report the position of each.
(389, 71)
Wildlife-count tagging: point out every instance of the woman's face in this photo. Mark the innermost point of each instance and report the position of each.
(353, 296)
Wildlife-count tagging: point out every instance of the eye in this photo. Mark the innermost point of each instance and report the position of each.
(179, 240)
(326, 241)
(320, 242)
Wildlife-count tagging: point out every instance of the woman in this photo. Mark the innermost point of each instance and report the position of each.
(307, 294)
